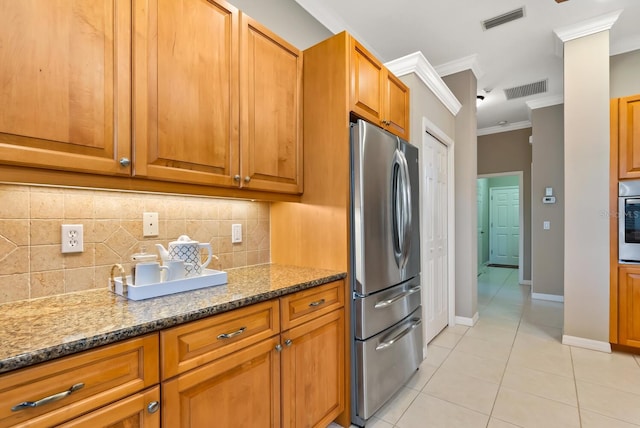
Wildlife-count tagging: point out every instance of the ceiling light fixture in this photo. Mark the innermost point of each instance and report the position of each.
(502, 123)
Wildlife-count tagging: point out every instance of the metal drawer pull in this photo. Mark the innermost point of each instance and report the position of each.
(153, 407)
(385, 303)
(388, 343)
(233, 334)
(47, 400)
(317, 302)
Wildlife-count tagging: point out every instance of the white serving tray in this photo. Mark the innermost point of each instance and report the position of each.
(209, 278)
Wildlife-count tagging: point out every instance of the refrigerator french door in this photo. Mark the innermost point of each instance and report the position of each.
(385, 254)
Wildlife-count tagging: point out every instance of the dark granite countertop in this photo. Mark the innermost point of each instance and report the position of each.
(34, 331)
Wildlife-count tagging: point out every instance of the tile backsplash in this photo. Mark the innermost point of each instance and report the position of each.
(32, 264)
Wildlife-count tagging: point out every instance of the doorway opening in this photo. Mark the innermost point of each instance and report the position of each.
(500, 221)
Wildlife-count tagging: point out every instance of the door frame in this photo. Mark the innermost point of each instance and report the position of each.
(437, 133)
(520, 175)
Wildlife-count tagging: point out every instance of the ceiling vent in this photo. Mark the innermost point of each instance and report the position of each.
(503, 19)
(526, 90)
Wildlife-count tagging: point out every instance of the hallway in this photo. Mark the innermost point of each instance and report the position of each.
(511, 370)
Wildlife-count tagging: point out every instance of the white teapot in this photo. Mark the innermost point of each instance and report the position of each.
(188, 250)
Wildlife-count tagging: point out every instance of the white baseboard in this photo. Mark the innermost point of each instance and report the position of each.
(525, 282)
(469, 322)
(549, 297)
(580, 342)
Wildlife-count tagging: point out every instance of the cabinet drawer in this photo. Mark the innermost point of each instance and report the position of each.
(306, 305)
(191, 345)
(106, 374)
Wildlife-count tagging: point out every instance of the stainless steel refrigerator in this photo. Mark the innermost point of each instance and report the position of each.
(385, 254)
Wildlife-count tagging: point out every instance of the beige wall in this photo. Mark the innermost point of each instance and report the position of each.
(547, 246)
(32, 265)
(509, 152)
(586, 169)
(287, 19)
(625, 69)
(464, 86)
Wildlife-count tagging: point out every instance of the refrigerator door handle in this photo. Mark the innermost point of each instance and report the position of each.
(397, 202)
(388, 343)
(406, 209)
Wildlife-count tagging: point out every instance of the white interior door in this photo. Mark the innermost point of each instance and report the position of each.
(504, 224)
(434, 236)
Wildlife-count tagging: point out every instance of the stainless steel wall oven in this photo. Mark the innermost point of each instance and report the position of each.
(629, 221)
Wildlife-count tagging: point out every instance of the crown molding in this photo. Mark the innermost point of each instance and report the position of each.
(547, 101)
(466, 63)
(504, 128)
(418, 64)
(588, 26)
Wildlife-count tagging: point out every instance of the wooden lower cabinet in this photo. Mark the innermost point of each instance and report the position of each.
(239, 390)
(140, 410)
(629, 306)
(313, 372)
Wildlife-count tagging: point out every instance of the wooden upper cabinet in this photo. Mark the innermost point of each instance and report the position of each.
(376, 94)
(271, 110)
(629, 137)
(629, 306)
(185, 105)
(65, 73)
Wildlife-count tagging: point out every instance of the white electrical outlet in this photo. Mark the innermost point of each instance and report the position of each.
(150, 224)
(236, 233)
(72, 238)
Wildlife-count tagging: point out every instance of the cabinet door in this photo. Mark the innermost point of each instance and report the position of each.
(140, 410)
(313, 372)
(65, 73)
(367, 78)
(185, 102)
(271, 105)
(239, 390)
(629, 136)
(629, 306)
(396, 111)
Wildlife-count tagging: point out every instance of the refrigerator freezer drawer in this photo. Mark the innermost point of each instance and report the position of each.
(377, 312)
(385, 362)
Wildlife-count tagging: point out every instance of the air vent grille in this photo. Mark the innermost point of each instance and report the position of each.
(526, 90)
(503, 19)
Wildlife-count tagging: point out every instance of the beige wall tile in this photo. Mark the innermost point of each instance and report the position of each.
(16, 262)
(79, 279)
(46, 204)
(31, 217)
(79, 204)
(47, 283)
(14, 287)
(16, 231)
(45, 257)
(14, 202)
(45, 232)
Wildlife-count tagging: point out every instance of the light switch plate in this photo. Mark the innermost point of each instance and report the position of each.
(236, 233)
(546, 225)
(150, 224)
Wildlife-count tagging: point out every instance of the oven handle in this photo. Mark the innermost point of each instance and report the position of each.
(387, 343)
(632, 201)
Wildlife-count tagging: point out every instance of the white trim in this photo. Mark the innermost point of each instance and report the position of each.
(548, 297)
(500, 128)
(418, 64)
(440, 135)
(587, 27)
(580, 342)
(547, 101)
(469, 322)
(520, 175)
(457, 65)
(525, 282)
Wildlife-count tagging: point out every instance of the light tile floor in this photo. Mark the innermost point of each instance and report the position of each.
(511, 370)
